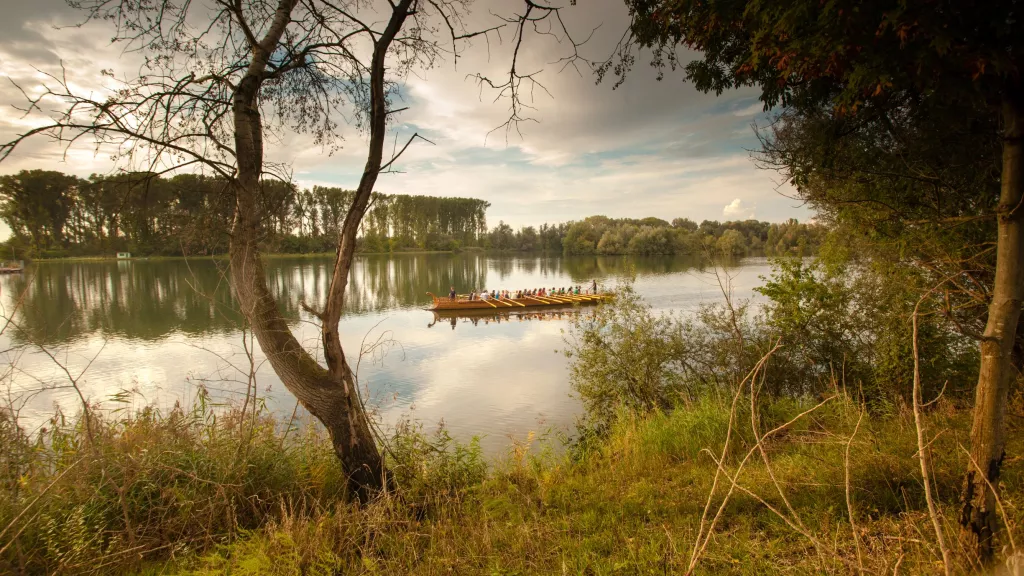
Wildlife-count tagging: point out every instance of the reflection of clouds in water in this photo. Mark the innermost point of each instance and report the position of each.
(471, 388)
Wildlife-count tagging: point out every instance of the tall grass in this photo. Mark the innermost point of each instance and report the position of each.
(197, 492)
(148, 484)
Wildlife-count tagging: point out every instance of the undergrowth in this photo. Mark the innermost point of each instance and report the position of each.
(191, 492)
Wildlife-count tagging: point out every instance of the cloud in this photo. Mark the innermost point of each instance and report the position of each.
(738, 210)
(647, 148)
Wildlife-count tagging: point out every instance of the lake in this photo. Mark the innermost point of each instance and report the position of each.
(153, 332)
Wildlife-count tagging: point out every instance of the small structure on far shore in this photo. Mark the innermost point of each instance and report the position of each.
(12, 266)
(122, 255)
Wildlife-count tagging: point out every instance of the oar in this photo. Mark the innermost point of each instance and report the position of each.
(563, 298)
(538, 299)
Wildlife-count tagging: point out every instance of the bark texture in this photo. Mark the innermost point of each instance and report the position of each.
(328, 394)
(978, 519)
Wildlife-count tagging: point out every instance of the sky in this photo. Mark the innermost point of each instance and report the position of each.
(647, 148)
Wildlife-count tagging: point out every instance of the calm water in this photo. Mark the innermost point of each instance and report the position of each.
(162, 329)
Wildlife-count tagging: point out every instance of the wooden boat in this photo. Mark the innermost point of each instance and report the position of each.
(464, 303)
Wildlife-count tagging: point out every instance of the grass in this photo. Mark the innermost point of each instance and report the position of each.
(200, 492)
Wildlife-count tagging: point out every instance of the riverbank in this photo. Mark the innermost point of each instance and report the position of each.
(77, 259)
(194, 493)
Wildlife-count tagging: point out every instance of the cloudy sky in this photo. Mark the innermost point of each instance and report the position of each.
(648, 148)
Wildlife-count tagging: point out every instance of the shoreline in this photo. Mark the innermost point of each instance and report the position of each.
(299, 255)
(273, 255)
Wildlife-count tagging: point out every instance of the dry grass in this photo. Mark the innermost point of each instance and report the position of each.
(193, 494)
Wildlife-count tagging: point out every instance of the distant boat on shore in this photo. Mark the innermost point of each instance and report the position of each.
(12, 267)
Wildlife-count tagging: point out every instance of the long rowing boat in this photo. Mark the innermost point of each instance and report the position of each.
(445, 303)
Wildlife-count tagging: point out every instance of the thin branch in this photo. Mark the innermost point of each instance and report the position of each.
(922, 451)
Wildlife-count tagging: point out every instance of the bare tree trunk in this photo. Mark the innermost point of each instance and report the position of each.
(361, 443)
(330, 395)
(978, 518)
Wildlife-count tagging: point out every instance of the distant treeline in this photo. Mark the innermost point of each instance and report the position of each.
(52, 214)
(648, 236)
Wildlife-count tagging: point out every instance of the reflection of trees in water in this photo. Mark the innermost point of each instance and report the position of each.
(134, 300)
(151, 299)
(383, 282)
(583, 269)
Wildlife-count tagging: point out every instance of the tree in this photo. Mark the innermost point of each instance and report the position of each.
(684, 224)
(848, 55)
(502, 237)
(731, 243)
(204, 101)
(37, 203)
(527, 238)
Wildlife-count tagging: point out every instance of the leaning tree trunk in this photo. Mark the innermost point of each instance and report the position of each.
(328, 394)
(978, 519)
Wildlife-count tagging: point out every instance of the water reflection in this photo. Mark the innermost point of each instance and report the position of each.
(485, 317)
(152, 299)
(164, 327)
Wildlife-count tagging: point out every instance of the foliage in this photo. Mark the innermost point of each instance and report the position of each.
(651, 236)
(146, 214)
(890, 126)
(844, 53)
(837, 324)
(731, 242)
(37, 204)
(622, 358)
(887, 181)
(433, 469)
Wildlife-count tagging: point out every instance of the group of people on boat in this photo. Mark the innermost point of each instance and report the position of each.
(531, 293)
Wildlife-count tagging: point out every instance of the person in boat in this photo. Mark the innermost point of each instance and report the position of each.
(451, 293)
(594, 286)
(493, 295)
